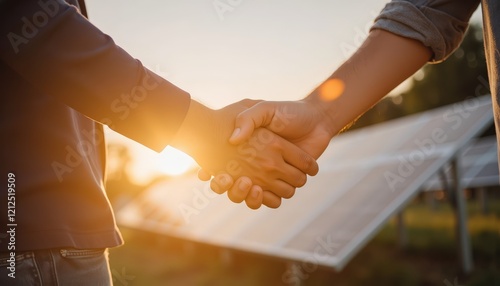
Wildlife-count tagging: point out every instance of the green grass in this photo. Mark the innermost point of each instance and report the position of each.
(429, 258)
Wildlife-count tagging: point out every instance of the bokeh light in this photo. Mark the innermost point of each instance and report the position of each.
(331, 89)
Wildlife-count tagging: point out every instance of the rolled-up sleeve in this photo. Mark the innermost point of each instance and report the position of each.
(439, 25)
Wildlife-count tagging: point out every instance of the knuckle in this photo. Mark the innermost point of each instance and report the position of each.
(275, 204)
(274, 144)
(289, 193)
(246, 101)
(271, 200)
(310, 164)
(268, 166)
(301, 180)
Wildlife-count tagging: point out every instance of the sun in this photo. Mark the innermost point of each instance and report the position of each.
(174, 162)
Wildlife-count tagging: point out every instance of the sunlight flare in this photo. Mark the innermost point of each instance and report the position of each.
(174, 162)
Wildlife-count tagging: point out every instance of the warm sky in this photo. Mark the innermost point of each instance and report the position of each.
(262, 49)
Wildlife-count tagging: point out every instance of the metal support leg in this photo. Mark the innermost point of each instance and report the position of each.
(465, 250)
(482, 196)
(402, 233)
(430, 197)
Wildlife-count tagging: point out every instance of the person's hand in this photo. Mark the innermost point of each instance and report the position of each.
(302, 122)
(268, 160)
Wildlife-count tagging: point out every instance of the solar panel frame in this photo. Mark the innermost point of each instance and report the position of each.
(479, 158)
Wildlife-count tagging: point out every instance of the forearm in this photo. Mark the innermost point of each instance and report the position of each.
(70, 60)
(380, 64)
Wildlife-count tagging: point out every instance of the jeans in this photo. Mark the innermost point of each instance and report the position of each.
(54, 267)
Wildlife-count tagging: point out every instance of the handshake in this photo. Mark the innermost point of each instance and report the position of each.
(257, 151)
(260, 151)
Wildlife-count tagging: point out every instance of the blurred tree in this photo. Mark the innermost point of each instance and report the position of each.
(462, 75)
(119, 159)
(119, 186)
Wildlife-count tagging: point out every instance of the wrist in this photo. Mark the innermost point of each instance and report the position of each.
(204, 136)
(192, 135)
(327, 116)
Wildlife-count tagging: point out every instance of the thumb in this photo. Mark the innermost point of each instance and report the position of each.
(260, 115)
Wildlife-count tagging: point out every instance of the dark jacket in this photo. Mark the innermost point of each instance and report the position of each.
(61, 80)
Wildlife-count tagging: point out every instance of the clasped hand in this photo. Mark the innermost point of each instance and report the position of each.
(277, 144)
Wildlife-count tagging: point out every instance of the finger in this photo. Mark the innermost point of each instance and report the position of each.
(281, 177)
(291, 176)
(271, 200)
(216, 188)
(259, 115)
(225, 181)
(255, 197)
(203, 175)
(281, 189)
(298, 158)
(240, 190)
(221, 183)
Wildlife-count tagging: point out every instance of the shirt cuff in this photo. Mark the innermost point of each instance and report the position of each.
(439, 31)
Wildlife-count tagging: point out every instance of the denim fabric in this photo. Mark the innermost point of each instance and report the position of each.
(56, 267)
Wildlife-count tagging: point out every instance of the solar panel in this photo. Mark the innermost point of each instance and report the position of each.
(479, 166)
(366, 176)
